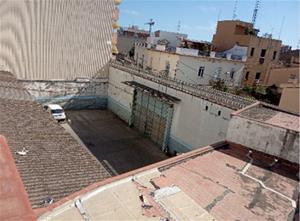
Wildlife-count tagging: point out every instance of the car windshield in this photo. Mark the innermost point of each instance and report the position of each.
(57, 111)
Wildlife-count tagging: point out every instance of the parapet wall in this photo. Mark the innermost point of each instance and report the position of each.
(80, 94)
(276, 141)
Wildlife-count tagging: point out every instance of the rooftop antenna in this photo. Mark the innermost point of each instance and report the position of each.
(150, 23)
(254, 16)
(219, 15)
(281, 26)
(234, 15)
(178, 26)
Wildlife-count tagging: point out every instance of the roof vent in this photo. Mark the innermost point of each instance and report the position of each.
(49, 200)
(22, 152)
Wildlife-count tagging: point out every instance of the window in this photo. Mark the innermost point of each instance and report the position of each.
(274, 55)
(219, 113)
(231, 74)
(167, 67)
(247, 75)
(252, 52)
(151, 61)
(219, 72)
(293, 76)
(201, 71)
(257, 76)
(57, 111)
(263, 53)
(206, 108)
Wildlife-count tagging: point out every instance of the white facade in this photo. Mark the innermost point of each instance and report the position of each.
(237, 53)
(187, 67)
(172, 37)
(200, 70)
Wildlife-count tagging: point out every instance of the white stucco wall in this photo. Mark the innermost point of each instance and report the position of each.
(120, 96)
(192, 126)
(269, 139)
(185, 67)
(188, 67)
(172, 37)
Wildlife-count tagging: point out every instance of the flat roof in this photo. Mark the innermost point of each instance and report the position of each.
(223, 182)
(272, 115)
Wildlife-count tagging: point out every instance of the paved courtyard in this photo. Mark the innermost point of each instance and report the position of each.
(112, 142)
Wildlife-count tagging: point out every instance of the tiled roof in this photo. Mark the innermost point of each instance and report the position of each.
(270, 114)
(14, 202)
(55, 164)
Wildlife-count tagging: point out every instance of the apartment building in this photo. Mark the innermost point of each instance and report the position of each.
(62, 39)
(262, 52)
(186, 65)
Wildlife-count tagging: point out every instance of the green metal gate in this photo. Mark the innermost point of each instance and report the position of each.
(152, 116)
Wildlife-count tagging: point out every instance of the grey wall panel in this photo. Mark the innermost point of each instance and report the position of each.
(55, 39)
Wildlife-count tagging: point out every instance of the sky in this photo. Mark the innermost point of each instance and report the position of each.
(198, 18)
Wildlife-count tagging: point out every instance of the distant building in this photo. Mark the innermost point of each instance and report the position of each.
(203, 47)
(127, 37)
(186, 65)
(262, 52)
(173, 38)
(50, 40)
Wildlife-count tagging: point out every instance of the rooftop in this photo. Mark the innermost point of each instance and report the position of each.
(271, 115)
(239, 186)
(51, 163)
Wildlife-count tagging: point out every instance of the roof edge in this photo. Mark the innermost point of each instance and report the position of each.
(13, 188)
(168, 162)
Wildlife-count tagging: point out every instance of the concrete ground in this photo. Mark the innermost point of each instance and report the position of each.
(112, 142)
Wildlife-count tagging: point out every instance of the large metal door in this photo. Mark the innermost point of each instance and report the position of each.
(152, 117)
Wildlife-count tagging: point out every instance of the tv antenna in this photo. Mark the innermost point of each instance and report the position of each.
(234, 15)
(178, 26)
(281, 26)
(256, 7)
(150, 23)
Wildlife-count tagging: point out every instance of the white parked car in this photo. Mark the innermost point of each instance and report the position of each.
(56, 111)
